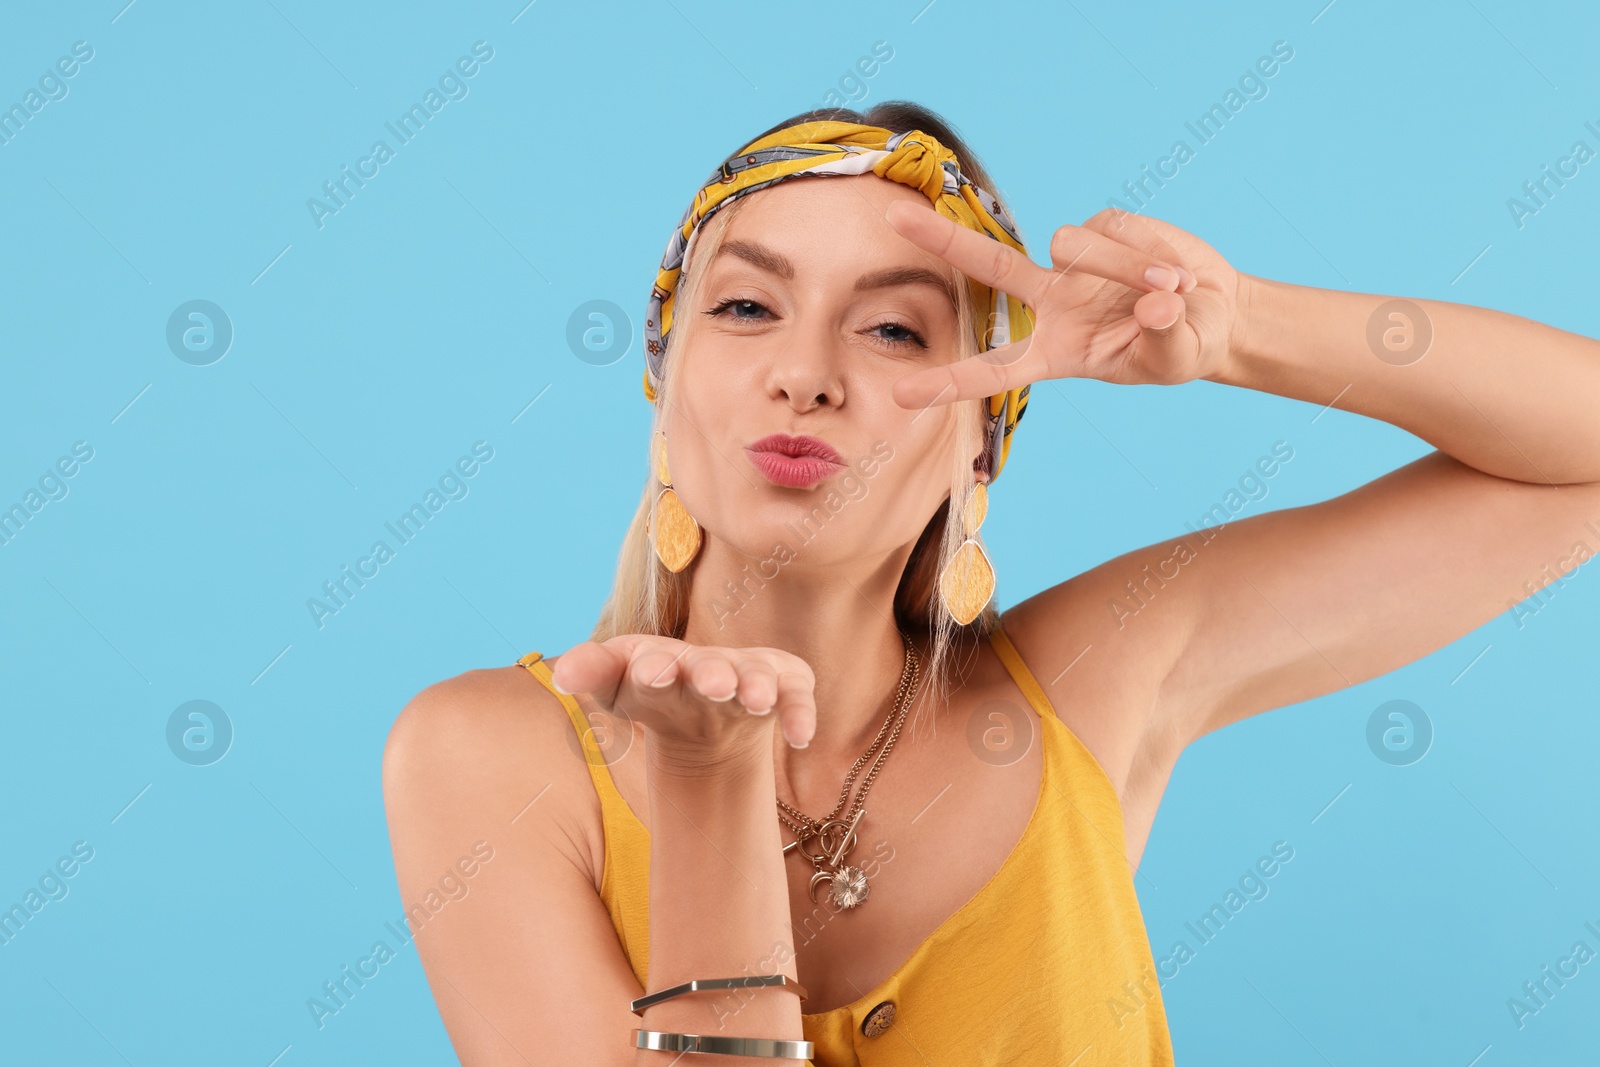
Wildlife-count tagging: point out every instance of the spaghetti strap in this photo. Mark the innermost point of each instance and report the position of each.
(1077, 752)
(1020, 673)
(625, 875)
(611, 802)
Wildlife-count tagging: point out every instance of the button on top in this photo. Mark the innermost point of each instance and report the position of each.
(878, 1019)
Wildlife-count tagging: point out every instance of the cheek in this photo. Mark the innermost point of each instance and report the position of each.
(928, 470)
(909, 454)
(720, 376)
(717, 351)
(702, 454)
(687, 449)
(699, 388)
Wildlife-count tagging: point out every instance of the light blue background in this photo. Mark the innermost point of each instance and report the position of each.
(427, 314)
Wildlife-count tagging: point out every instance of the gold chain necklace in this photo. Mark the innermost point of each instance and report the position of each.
(836, 836)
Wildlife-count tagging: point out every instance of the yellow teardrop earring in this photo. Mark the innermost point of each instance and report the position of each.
(967, 581)
(673, 531)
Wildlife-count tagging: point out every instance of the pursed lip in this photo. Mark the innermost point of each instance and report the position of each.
(796, 462)
(797, 446)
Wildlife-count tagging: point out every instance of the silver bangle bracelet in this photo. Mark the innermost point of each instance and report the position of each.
(696, 984)
(732, 1046)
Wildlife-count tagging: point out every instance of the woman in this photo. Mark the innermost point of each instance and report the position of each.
(837, 373)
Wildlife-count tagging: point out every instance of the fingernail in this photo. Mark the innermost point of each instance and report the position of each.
(1161, 277)
(658, 682)
(760, 711)
(802, 744)
(1189, 280)
(558, 686)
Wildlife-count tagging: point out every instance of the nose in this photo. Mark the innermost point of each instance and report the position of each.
(807, 367)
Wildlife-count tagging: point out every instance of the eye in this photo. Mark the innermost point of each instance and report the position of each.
(740, 306)
(901, 334)
(745, 310)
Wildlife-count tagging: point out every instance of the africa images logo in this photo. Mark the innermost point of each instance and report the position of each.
(452, 485)
(452, 86)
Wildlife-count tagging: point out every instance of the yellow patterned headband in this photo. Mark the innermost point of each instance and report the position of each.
(912, 158)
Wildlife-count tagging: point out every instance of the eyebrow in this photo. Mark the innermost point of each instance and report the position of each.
(775, 263)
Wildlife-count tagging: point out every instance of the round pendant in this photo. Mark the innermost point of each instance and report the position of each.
(849, 886)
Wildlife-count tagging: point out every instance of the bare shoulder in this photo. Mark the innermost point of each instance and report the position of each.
(473, 756)
(495, 827)
(1103, 670)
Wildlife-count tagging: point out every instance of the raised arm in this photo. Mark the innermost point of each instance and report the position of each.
(1277, 608)
(1284, 606)
(1503, 394)
(1287, 605)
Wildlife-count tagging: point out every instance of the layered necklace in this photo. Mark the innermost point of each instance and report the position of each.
(828, 843)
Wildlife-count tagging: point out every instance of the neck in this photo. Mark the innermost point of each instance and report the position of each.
(839, 618)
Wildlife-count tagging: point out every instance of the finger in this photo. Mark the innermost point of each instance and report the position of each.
(797, 708)
(1085, 250)
(1135, 231)
(1164, 337)
(1132, 230)
(975, 254)
(758, 684)
(985, 374)
(593, 668)
(655, 664)
(708, 673)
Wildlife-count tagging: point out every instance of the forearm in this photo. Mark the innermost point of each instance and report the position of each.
(719, 905)
(1512, 397)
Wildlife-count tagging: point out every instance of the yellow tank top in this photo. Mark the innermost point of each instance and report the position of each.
(1048, 964)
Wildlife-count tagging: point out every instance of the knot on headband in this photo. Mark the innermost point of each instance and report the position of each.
(919, 161)
(912, 158)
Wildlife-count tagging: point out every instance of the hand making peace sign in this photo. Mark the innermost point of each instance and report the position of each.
(1096, 314)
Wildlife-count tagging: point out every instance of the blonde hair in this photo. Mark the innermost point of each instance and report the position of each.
(648, 598)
